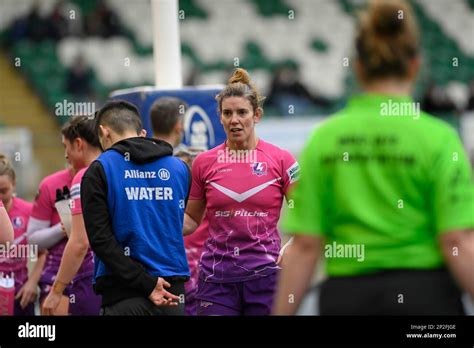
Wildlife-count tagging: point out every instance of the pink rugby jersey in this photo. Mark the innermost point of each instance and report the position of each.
(44, 209)
(243, 203)
(19, 214)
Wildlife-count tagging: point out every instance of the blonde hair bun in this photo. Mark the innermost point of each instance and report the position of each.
(240, 75)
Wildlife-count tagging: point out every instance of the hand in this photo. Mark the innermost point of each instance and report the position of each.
(160, 297)
(50, 303)
(27, 293)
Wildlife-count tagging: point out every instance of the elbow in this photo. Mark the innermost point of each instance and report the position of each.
(307, 245)
(82, 247)
(451, 242)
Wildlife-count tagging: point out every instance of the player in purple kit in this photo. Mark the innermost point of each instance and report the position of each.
(239, 186)
(45, 224)
(19, 212)
(76, 268)
(44, 230)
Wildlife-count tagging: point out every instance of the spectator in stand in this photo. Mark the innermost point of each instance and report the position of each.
(57, 23)
(102, 22)
(286, 89)
(37, 29)
(79, 79)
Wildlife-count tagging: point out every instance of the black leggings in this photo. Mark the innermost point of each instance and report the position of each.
(397, 292)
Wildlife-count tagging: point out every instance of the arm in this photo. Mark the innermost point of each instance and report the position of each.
(41, 234)
(6, 228)
(296, 274)
(74, 252)
(291, 174)
(453, 202)
(458, 251)
(73, 256)
(193, 215)
(29, 291)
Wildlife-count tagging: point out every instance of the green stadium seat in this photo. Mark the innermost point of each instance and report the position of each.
(271, 8)
(192, 9)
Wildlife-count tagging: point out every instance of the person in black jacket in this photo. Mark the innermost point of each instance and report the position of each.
(133, 199)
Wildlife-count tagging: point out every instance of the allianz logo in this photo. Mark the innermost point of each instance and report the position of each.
(163, 174)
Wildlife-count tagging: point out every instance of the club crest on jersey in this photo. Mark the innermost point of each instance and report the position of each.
(259, 168)
(18, 222)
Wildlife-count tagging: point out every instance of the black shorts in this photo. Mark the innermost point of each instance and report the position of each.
(395, 292)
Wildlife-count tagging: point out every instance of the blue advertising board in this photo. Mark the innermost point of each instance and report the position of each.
(202, 128)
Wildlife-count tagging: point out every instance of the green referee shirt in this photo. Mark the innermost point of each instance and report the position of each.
(380, 180)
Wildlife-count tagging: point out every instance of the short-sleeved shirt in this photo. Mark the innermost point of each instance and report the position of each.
(44, 209)
(19, 214)
(244, 196)
(380, 181)
(76, 207)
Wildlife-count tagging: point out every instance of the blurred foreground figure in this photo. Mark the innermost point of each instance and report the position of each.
(386, 189)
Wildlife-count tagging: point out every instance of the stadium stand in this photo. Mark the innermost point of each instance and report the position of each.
(245, 30)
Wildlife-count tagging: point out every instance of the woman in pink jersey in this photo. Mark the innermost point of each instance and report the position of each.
(19, 212)
(240, 185)
(44, 230)
(75, 271)
(45, 223)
